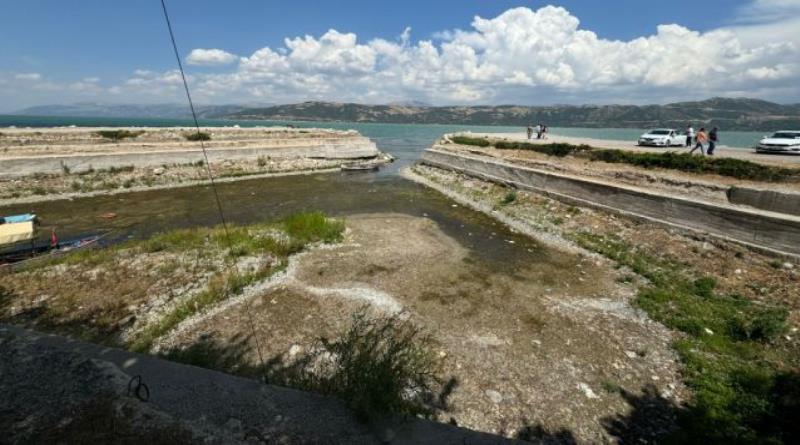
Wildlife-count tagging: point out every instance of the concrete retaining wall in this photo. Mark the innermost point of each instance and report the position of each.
(23, 166)
(773, 201)
(767, 230)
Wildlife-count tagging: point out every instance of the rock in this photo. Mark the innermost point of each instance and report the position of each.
(738, 271)
(294, 350)
(708, 331)
(788, 265)
(587, 391)
(631, 354)
(158, 171)
(494, 396)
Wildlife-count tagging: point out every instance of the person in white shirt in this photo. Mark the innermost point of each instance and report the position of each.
(689, 135)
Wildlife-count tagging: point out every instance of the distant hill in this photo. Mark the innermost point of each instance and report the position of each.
(727, 113)
(169, 111)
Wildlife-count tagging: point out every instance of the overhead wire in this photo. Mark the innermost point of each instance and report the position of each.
(208, 170)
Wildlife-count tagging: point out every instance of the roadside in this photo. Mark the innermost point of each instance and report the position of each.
(721, 150)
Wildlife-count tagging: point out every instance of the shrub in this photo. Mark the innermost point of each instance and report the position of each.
(554, 149)
(65, 168)
(377, 366)
(509, 198)
(261, 161)
(466, 140)
(118, 135)
(198, 136)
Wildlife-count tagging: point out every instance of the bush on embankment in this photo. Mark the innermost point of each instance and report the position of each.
(197, 136)
(118, 135)
(735, 168)
(466, 140)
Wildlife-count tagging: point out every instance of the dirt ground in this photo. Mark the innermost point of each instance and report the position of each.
(551, 345)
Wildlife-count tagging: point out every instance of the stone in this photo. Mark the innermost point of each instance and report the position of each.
(294, 350)
(494, 396)
(587, 391)
(158, 171)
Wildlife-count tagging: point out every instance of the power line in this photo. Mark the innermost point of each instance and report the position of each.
(210, 174)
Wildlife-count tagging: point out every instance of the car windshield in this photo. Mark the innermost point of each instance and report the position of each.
(659, 132)
(787, 135)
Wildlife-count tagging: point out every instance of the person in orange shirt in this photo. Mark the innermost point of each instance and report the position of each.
(701, 138)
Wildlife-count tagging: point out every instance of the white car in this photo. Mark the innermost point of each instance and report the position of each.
(662, 137)
(785, 141)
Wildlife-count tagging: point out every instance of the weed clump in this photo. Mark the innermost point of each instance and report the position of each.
(378, 365)
(118, 135)
(509, 197)
(198, 136)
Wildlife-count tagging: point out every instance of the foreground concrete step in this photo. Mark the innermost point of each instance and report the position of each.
(44, 376)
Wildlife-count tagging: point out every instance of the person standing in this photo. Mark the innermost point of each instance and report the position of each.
(701, 138)
(539, 131)
(712, 141)
(544, 131)
(530, 131)
(689, 135)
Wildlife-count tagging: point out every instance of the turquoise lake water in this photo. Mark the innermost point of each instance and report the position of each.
(404, 141)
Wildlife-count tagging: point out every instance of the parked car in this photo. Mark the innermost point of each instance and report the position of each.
(784, 141)
(663, 137)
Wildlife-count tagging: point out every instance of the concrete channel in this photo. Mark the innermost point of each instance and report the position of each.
(769, 231)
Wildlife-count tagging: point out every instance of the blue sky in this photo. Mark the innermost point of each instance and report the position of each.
(59, 52)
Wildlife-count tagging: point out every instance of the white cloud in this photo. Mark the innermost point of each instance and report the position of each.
(28, 76)
(521, 56)
(210, 57)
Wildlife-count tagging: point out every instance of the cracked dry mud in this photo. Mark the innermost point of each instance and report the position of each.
(536, 344)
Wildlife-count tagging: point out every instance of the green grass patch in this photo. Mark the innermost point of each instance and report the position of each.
(198, 136)
(727, 349)
(467, 140)
(118, 135)
(735, 168)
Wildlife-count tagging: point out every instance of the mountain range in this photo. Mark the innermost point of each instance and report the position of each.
(165, 111)
(726, 113)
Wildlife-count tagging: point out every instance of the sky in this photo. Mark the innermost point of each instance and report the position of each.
(438, 52)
